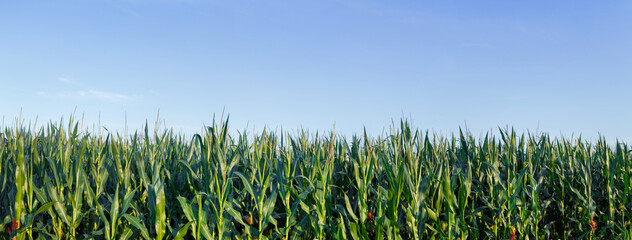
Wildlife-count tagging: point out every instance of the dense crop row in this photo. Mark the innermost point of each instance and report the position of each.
(59, 183)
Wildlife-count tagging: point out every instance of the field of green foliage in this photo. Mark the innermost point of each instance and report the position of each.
(58, 182)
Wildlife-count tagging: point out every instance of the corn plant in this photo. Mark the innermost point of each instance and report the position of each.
(363, 175)
(61, 181)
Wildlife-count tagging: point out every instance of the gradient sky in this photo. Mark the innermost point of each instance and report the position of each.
(562, 67)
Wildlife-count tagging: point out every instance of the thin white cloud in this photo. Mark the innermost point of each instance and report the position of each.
(111, 97)
(124, 9)
(64, 79)
(102, 96)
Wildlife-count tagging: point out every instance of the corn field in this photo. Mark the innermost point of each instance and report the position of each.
(59, 182)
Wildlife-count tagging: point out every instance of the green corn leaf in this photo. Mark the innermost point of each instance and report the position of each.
(114, 212)
(103, 177)
(88, 192)
(127, 233)
(236, 215)
(205, 230)
(127, 199)
(134, 221)
(188, 166)
(186, 207)
(161, 217)
(350, 211)
(182, 232)
(268, 206)
(44, 208)
(107, 228)
(77, 202)
(58, 204)
(20, 180)
(248, 187)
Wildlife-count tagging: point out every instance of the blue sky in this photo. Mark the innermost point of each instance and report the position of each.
(562, 67)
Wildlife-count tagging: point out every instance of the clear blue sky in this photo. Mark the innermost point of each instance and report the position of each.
(562, 67)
